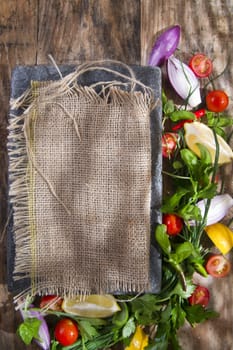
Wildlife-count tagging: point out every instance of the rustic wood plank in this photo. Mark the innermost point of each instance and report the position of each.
(72, 31)
(77, 31)
(18, 38)
(206, 27)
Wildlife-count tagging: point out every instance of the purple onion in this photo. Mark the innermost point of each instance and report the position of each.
(164, 46)
(184, 81)
(44, 335)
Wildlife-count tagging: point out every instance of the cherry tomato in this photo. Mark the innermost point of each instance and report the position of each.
(66, 332)
(200, 296)
(174, 224)
(217, 101)
(218, 266)
(169, 144)
(52, 302)
(201, 65)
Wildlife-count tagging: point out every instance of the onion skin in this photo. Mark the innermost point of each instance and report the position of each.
(164, 46)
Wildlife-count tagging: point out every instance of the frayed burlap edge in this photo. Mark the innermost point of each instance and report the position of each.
(22, 167)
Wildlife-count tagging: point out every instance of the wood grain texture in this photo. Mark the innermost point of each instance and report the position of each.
(77, 30)
(18, 38)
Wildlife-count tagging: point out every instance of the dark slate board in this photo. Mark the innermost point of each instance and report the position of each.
(150, 76)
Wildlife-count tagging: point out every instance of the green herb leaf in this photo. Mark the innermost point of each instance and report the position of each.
(129, 328)
(208, 192)
(162, 238)
(177, 314)
(146, 309)
(184, 294)
(205, 154)
(190, 212)
(197, 314)
(190, 159)
(87, 331)
(170, 204)
(55, 345)
(180, 115)
(29, 329)
(183, 251)
(168, 107)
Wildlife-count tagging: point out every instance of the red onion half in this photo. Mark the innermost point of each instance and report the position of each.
(164, 46)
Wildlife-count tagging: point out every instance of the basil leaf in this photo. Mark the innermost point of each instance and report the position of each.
(208, 192)
(181, 115)
(183, 251)
(29, 329)
(168, 107)
(173, 201)
(205, 154)
(162, 238)
(189, 158)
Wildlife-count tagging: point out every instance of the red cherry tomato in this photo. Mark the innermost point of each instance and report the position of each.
(218, 266)
(52, 302)
(169, 144)
(201, 65)
(217, 101)
(66, 332)
(174, 224)
(200, 296)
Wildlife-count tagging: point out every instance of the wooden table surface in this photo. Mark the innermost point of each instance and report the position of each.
(73, 31)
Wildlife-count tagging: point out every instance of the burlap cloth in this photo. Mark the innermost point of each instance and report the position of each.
(83, 190)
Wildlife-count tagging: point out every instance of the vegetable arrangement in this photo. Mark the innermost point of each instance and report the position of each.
(195, 146)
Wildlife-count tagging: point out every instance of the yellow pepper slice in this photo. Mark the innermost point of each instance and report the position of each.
(221, 236)
(139, 340)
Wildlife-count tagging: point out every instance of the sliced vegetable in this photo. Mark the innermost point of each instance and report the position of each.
(184, 81)
(169, 144)
(51, 302)
(174, 224)
(218, 266)
(164, 46)
(219, 207)
(200, 296)
(139, 341)
(221, 236)
(201, 65)
(197, 132)
(66, 332)
(93, 305)
(217, 101)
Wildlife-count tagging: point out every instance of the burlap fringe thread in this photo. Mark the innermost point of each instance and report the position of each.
(22, 162)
